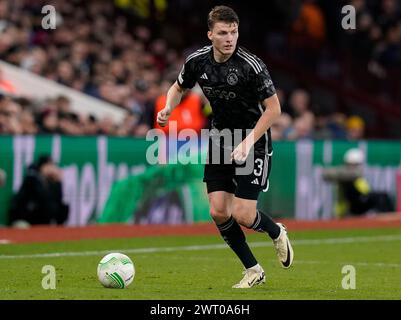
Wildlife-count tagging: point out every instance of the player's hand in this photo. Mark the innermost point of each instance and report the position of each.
(163, 115)
(241, 152)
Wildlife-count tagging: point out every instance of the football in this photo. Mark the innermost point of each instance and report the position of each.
(116, 270)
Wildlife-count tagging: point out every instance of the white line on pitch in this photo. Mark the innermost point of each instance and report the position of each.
(363, 264)
(396, 237)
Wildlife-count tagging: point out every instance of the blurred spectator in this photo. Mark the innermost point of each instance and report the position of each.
(280, 128)
(142, 9)
(302, 128)
(27, 121)
(141, 103)
(129, 126)
(321, 130)
(299, 104)
(330, 126)
(9, 120)
(39, 200)
(390, 13)
(281, 95)
(69, 123)
(355, 128)
(106, 126)
(63, 104)
(90, 125)
(187, 114)
(311, 20)
(48, 122)
(355, 196)
(337, 125)
(304, 120)
(388, 52)
(362, 36)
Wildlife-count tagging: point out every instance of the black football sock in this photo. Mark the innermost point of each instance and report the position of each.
(263, 223)
(235, 238)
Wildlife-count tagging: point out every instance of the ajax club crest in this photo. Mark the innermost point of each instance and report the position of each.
(232, 78)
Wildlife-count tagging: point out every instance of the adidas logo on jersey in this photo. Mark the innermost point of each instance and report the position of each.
(204, 76)
(255, 181)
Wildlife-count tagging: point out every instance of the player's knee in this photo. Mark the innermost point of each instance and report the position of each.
(219, 215)
(241, 214)
(239, 210)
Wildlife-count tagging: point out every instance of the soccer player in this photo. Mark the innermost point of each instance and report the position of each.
(242, 95)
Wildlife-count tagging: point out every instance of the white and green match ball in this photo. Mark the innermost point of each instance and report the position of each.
(116, 270)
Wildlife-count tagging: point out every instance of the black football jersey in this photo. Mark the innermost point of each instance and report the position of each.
(234, 88)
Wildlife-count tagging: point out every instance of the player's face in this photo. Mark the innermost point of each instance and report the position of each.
(224, 37)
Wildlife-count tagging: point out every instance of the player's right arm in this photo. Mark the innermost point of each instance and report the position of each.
(174, 95)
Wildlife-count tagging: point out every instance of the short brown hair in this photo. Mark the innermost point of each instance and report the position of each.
(221, 14)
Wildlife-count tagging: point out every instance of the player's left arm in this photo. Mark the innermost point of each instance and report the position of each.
(269, 116)
(265, 92)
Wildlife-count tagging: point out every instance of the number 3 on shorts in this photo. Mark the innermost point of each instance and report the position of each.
(259, 167)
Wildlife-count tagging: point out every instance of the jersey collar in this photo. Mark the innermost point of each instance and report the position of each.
(222, 63)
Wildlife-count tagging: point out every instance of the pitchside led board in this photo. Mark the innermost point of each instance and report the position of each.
(110, 180)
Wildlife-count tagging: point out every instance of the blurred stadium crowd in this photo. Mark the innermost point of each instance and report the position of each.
(104, 51)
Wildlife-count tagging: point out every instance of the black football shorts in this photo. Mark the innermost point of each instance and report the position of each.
(229, 178)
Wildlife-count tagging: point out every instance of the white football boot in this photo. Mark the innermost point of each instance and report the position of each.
(252, 277)
(283, 247)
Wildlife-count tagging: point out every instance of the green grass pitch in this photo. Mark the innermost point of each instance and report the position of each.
(200, 267)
